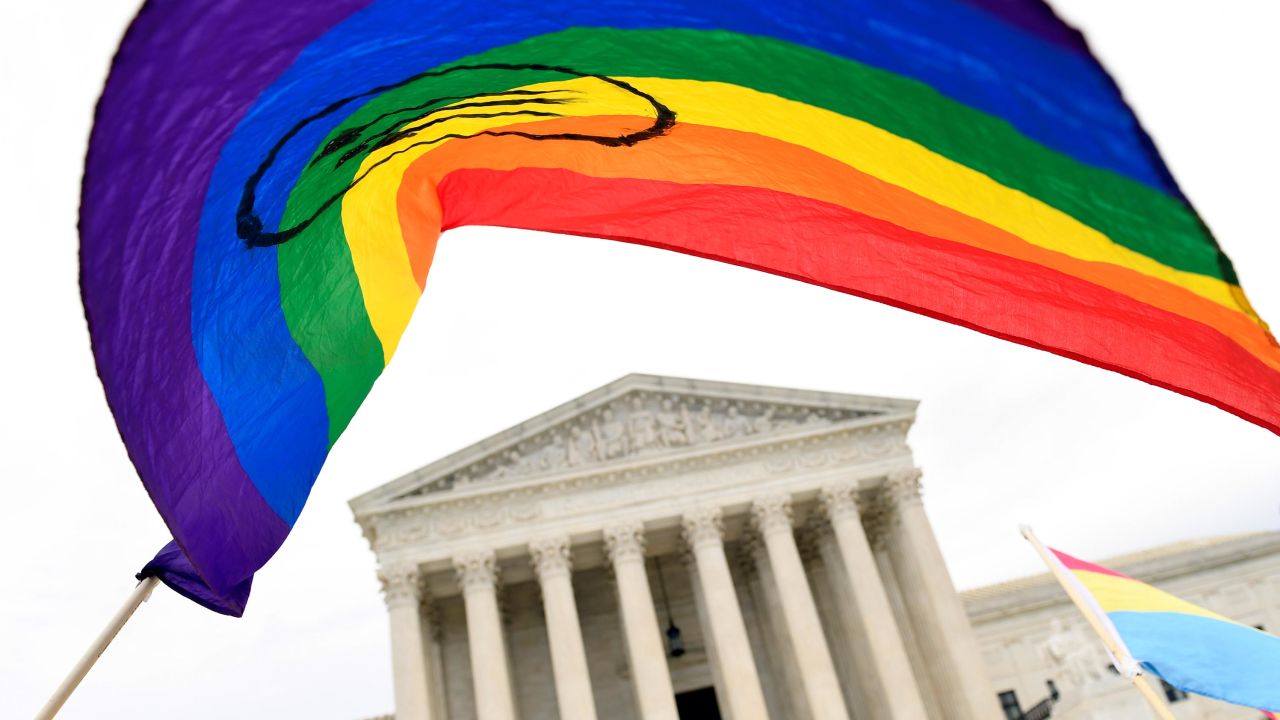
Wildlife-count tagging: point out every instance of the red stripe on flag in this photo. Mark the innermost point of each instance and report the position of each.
(835, 247)
(1075, 563)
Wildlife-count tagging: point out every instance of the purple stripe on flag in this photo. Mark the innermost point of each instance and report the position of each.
(1037, 18)
(172, 110)
(174, 569)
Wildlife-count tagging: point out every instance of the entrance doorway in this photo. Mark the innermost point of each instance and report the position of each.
(698, 704)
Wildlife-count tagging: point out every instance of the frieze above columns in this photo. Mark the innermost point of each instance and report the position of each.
(639, 424)
(445, 517)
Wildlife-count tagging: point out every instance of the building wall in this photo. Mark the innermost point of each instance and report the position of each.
(1239, 578)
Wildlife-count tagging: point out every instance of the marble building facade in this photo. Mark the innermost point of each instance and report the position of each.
(663, 548)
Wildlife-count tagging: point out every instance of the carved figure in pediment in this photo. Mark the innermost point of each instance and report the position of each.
(556, 455)
(611, 436)
(526, 462)
(505, 467)
(582, 448)
(672, 428)
(735, 424)
(764, 423)
(644, 427)
(708, 425)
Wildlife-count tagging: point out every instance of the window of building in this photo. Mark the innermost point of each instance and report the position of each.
(1171, 693)
(1009, 703)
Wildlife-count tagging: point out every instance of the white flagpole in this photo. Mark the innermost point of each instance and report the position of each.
(1128, 667)
(68, 686)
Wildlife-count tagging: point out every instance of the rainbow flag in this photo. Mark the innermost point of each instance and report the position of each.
(1188, 646)
(267, 180)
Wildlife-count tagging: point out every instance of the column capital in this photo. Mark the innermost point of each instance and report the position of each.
(903, 486)
(703, 526)
(878, 517)
(401, 585)
(745, 556)
(841, 501)
(625, 541)
(751, 542)
(551, 556)
(810, 536)
(771, 513)
(477, 569)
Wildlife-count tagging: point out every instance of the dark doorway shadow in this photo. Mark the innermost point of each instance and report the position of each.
(698, 704)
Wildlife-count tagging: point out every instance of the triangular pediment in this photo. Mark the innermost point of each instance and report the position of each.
(634, 419)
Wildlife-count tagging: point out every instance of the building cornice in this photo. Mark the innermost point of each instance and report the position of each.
(1157, 565)
(858, 451)
(837, 408)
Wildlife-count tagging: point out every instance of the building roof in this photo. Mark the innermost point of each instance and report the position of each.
(604, 427)
(1156, 564)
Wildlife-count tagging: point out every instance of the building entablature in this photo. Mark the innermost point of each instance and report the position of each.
(1165, 564)
(716, 444)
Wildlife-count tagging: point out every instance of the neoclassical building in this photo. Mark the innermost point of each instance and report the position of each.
(663, 548)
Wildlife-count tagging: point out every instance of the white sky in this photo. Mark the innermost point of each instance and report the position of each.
(1098, 463)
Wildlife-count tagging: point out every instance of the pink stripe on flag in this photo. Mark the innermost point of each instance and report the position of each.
(1074, 563)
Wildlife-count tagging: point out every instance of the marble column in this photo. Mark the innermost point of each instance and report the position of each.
(552, 564)
(877, 522)
(703, 533)
(779, 675)
(958, 671)
(651, 679)
(708, 641)
(402, 590)
(490, 671)
(880, 656)
(824, 578)
(772, 519)
(432, 638)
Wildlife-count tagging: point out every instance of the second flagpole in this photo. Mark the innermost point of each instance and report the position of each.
(1132, 670)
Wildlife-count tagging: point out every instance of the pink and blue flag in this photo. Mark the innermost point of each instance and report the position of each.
(1191, 648)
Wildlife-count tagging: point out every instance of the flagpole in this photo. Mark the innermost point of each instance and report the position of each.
(1134, 675)
(1149, 692)
(68, 686)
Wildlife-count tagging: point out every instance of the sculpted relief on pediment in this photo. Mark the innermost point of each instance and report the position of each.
(637, 425)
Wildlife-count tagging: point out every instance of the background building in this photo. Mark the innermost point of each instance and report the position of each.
(664, 548)
(1030, 633)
